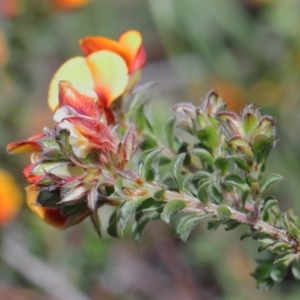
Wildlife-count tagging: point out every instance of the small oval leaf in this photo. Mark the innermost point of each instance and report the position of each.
(171, 208)
(223, 213)
(187, 224)
(127, 210)
(272, 178)
(177, 166)
(148, 161)
(204, 156)
(236, 181)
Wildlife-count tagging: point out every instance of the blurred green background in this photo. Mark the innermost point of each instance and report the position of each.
(248, 50)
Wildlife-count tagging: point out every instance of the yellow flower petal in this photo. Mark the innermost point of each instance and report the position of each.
(76, 70)
(132, 40)
(109, 72)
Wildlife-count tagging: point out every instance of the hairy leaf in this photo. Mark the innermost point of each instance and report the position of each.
(112, 228)
(177, 166)
(149, 159)
(187, 224)
(236, 181)
(272, 178)
(127, 210)
(172, 208)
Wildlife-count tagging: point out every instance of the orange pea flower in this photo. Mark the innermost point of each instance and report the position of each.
(108, 68)
(10, 198)
(63, 190)
(3, 49)
(9, 8)
(70, 4)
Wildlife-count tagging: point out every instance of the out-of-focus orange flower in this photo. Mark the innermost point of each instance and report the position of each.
(70, 4)
(52, 216)
(265, 92)
(107, 68)
(10, 198)
(233, 94)
(9, 8)
(3, 49)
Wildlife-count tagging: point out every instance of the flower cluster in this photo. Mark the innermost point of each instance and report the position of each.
(250, 134)
(109, 67)
(74, 163)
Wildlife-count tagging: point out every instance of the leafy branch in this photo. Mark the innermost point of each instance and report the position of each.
(210, 166)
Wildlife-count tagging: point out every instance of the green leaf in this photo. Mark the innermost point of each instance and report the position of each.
(177, 166)
(223, 213)
(281, 247)
(294, 230)
(283, 258)
(150, 204)
(112, 228)
(187, 224)
(231, 224)
(200, 175)
(245, 235)
(96, 222)
(186, 183)
(168, 131)
(269, 203)
(139, 117)
(296, 268)
(119, 187)
(162, 160)
(240, 145)
(127, 210)
(73, 194)
(263, 269)
(204, 156)
(262, 142)
(148, 162)
(272, 178)
(262, 247)
(236, 181)
(159, 194)
(250, 121)
(239, 161)
(150, 142)
(278, 272)
(213, 224)
(72, 210)
(265, 238)
(138, 227)
(67, 170)
(139, 100)
(171, 208)
(214, 193)
(222, 164)
(202, 193)
(209, 136)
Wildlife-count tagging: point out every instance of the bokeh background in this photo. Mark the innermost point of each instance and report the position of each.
(249, 50)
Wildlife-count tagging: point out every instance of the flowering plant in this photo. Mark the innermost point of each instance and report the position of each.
(104, 150)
